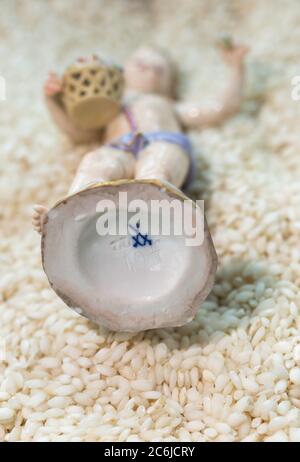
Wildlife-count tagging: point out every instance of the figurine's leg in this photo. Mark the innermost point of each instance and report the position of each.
(103, 164)
(163, 161)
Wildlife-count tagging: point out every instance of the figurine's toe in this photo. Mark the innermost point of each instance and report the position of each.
(39, 217)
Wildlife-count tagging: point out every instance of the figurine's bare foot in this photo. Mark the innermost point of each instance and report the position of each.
(53, 85)
(39, 217)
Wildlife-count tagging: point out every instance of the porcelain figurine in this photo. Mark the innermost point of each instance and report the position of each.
(137, 281)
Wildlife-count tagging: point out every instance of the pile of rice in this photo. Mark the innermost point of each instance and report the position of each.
(233, 374)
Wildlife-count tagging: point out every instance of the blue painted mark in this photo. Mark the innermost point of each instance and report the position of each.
(140, 240)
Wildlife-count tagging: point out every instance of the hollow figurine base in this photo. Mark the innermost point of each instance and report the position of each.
(133, 280)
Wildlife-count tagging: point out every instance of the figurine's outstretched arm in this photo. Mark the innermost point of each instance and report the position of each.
(195, 115)
(53, 93)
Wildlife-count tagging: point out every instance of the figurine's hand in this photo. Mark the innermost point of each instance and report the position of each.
(53, 85)
(233, 54)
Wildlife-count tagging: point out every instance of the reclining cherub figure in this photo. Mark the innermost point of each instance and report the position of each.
(145, 154)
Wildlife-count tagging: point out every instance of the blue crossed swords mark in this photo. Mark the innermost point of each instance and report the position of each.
(140, 240)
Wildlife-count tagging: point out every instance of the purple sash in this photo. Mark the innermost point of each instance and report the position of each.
(131, 142)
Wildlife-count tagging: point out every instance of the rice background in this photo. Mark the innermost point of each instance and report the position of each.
(233, 374)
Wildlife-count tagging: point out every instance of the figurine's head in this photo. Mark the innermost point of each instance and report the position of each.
(148, 70)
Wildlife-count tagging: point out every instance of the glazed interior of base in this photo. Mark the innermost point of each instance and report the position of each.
(143, 267)
(136, 275)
